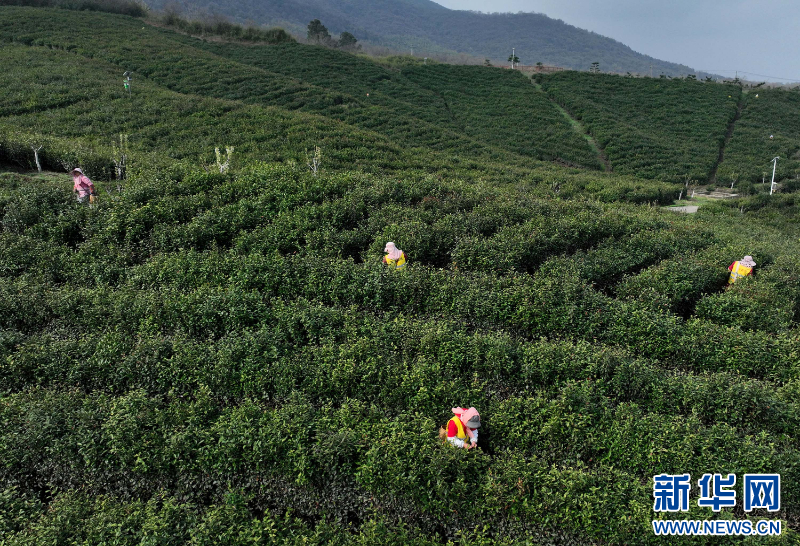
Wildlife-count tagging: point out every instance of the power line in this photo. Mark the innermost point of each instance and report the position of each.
(751, 74)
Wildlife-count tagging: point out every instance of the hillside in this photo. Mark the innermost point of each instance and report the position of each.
(685, 130)
(654, 128)
(368, 96)
(217, 355)
(429, 27)
(769, 127)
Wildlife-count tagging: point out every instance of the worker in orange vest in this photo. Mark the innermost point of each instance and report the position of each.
(741, 268)
(462, 429)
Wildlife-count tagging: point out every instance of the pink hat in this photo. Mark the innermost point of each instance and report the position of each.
(76, 169)
(747, 261)
(470, 418)
(394, 252)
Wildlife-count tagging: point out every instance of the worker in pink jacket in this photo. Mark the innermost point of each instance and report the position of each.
(82, 185)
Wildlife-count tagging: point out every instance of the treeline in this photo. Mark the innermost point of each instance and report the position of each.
(218, 25)
(133, 8)
(433, 28)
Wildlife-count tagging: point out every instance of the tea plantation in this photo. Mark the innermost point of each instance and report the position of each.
(207, 357)
(769, 127)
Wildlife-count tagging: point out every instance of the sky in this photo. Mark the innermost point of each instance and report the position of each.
(759, 38)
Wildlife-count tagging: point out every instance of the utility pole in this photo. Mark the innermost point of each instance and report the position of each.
(651, 70)
(774, 166)
(512, 58)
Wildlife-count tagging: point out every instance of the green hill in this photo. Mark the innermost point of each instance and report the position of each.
(427, 26)
(665, 129)
(656, 128)
(463, 98)
(684, 130)
(217, 355)
(408, 113)
(768, 128)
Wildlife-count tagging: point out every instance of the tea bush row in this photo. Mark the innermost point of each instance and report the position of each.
(73, 126)
(504, 108)
(633, 242)
(769, 302)
(663, 129)
(85, 519)
(543, 305)
(332, 354)
(137, 445)
(151, 54)
(756, 138)
(678, 283)
(341, 215)
(493, 107)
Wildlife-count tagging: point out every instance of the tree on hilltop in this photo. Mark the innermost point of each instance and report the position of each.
(318, 33)
(347, 41)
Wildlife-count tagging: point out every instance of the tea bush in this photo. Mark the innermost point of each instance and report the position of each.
(653, 128)
(679, 283)
(756, 139)
(766, 302)
(222, 357)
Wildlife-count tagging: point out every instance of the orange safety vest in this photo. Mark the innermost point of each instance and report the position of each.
(400, 263)
(738, 271)
(461, 434)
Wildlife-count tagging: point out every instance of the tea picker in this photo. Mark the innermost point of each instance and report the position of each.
(395, 258)
(127, 82)
(741, 268)
(82, 186)
(462, 429)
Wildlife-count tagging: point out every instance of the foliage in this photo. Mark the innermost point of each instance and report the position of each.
(318, 33)
(679, 283)
(134, 8)
(749, 153)
(221, 27)
(412, 117)
(347, 41)
(434, 28)
(286, 372)
(504, 108)
(213, 357)
(669, 130)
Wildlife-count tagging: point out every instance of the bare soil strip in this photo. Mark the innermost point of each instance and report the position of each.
(712, 177)
(581, 129)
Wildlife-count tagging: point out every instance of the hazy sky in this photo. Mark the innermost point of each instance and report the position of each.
(756, 36)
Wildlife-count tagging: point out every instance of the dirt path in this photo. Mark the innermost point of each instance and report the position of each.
(688, 209)
(580, 129)
(712, 177)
